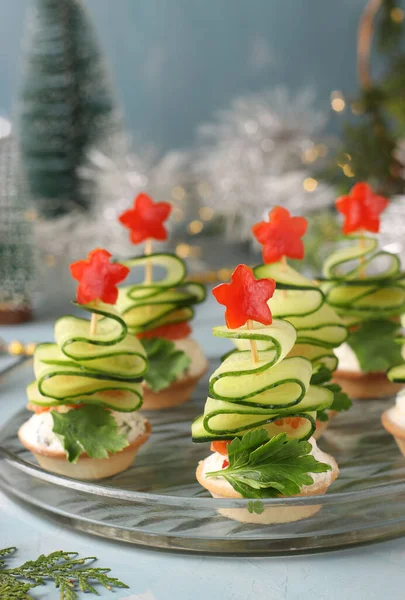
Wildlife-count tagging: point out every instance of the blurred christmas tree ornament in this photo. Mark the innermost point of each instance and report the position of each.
(260, 153)
(369, 151)
(17, 250)
(66, 106)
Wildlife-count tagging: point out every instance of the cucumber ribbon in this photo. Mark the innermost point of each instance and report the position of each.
(363, 283)
(104, 369)
(244, 395)
(166, 301)
(302, 303)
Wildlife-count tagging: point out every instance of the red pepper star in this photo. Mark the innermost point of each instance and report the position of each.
(98, 277)
(281, 235)
(146, 219)
(245, 298)
(361, 209)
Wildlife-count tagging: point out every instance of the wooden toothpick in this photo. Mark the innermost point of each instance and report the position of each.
(253, 346)
(148, 266)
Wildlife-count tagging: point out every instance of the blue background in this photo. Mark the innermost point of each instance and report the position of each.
(175, 62)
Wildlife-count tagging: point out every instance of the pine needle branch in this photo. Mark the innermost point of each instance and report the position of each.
(66, 570)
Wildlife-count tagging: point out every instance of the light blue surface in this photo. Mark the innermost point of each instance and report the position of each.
(372, 573)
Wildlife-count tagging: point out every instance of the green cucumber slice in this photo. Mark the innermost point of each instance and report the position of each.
(121, 400)
(284, 275)
(110, 351)
(168, 300)
(279, 338)
(172, 266)
(318, 355)
(264, 384)
(397, 374)
(334, 265)
(241, 426)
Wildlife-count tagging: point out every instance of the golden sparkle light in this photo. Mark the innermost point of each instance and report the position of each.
(310, 184)
(310, 155)
(195, 227)
(348, 171)
(15, 348)
(206, 213)
(337, 101)
(397, 15)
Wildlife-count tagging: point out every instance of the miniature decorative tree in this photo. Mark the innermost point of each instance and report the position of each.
(66, 106)
(16, 238)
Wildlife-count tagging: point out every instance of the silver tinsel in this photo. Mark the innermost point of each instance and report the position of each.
(256, 155)
(117, 182)
(68, 238)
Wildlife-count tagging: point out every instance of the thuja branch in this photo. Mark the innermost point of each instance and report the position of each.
(65, 570)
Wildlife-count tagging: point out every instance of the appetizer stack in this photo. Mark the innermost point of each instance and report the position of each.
(87, 385)
(366, 288)
(261, 408)
(159, 310)
(300, 301)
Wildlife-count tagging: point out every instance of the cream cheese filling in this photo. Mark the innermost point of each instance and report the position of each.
(38, 429)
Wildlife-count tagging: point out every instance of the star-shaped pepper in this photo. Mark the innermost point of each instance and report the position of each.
(361, 209)
(281, 235)
(245, 298)
(98, 277)
(145, 219)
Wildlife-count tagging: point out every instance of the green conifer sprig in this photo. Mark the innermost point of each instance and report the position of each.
(68, 573)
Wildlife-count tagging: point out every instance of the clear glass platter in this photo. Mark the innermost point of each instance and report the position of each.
(158, 502)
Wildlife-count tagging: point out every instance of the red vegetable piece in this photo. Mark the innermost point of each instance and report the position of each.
(98, 277)
(361, 209)
(145, 220)
(281, 235)
(245, 298)
(220, 446)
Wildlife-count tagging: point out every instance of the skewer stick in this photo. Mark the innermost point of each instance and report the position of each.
(283, 262)
(93, 323)
(253, 346)
(148, 266)
(362, 244)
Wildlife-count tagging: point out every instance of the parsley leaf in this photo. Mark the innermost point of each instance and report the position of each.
(260, 467)
(166, 363)
(322, 415)
(375, 345)
(92, 429)
(341, 400)
(320, 374)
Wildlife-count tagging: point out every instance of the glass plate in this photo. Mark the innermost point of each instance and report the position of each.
(158, 503)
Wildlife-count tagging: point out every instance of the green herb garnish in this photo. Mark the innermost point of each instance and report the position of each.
(92, 429)
(260, 467)
(376, 346)
(68, 573)
(166, 363)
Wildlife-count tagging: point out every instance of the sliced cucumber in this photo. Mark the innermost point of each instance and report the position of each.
(243, 424)
(121, 400)
(279, 338)
(173, 268)
(284, 275)
(166, 301)
(318, 355)
(112, 350)
(264, 384)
